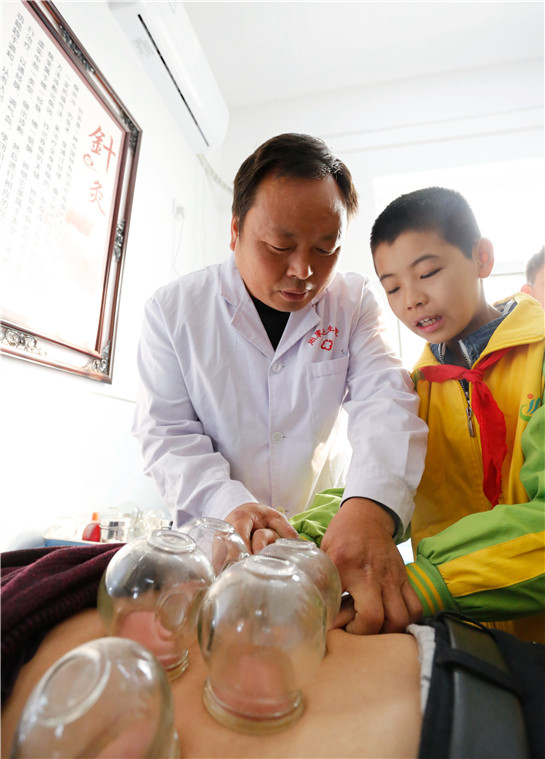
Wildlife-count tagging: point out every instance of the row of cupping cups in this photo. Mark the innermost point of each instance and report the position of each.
(260, 620)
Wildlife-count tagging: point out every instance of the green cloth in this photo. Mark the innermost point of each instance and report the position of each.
(312, 523)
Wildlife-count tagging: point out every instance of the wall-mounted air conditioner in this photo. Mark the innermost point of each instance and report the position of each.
(167, 45)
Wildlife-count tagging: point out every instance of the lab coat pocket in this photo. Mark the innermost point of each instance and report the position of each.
(327, 388)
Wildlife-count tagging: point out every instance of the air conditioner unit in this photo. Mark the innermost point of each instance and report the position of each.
(169, 49)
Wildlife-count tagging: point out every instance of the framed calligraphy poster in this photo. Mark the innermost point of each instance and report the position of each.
(69, 151)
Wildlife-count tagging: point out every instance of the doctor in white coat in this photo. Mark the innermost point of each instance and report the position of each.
(268, 377)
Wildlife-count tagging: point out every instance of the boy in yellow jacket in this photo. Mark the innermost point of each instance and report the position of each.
(478, 529)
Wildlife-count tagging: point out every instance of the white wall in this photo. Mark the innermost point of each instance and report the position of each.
(65, 446)
(65, 443)
(480, 116)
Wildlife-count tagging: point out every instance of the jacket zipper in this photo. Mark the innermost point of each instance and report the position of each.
(469, 413)
(469, 410)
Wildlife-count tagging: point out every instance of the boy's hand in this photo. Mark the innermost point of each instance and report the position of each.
(359, 541)
(259, 525)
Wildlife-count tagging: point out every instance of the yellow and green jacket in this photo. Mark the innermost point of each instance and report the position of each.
(486, 562)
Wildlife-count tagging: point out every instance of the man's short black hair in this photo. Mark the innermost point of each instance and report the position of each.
(534, 265)
(290, 155)
(433, 209)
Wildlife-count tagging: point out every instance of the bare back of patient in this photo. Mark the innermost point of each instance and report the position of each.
(364, 700)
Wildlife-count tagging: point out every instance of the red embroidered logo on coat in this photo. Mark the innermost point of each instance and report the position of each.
(326, 344)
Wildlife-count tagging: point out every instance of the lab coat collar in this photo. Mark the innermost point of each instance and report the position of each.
(246, 319)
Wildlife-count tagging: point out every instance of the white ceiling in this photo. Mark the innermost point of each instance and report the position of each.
(262, 51)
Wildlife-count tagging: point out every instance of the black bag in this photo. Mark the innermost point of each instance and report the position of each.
(487, 694)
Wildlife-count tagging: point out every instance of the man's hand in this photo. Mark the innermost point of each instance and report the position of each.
(359, 542)
(259, 525)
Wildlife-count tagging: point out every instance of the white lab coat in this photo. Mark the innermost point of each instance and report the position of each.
(224, 419)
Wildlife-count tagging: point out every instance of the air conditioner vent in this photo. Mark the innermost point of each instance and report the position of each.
(168, 48)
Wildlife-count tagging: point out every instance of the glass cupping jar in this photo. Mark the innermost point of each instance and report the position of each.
(107, 698)
(218, 540)
(261, 632)
(317, 565)
(151, 591)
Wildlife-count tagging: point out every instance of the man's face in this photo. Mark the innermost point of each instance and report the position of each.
(432, 287)
(291, 239)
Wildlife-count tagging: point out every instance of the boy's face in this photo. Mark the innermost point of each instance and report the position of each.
(432, 287)
(537, 290)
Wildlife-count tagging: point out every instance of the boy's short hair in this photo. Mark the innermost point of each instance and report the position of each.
(433, 209)
(534, 265)
(290, 155)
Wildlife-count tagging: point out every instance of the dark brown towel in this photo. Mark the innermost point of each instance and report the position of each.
(40, 587)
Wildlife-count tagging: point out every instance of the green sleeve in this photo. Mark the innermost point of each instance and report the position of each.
(491, 565)
(312, 523)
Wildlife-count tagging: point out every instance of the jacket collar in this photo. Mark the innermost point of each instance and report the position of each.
(247, 322)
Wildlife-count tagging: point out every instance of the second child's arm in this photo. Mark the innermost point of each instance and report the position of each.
(491, 565)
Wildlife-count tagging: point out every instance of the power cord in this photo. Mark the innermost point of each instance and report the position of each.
(213, 175)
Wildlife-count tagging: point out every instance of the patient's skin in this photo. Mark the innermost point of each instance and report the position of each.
(364, 701)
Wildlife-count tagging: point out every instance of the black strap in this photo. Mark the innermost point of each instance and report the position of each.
(487, 720)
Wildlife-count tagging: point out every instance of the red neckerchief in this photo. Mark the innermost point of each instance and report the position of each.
(487, 413)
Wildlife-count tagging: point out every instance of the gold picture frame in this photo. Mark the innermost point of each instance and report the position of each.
(69, 157)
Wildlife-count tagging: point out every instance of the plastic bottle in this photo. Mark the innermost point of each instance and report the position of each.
(92, 530)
